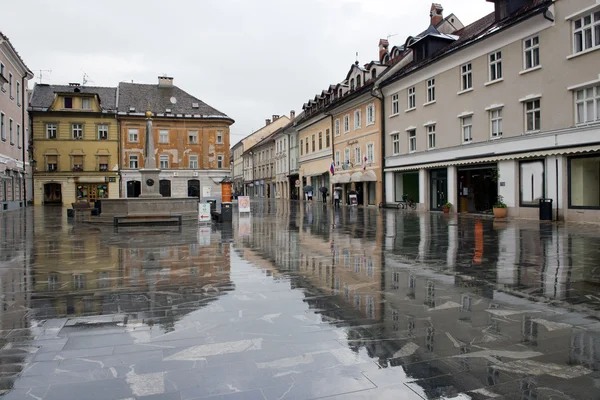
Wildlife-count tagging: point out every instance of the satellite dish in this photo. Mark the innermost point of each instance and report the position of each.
(173, 100)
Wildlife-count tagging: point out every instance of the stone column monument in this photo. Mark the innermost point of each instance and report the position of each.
(150, 186)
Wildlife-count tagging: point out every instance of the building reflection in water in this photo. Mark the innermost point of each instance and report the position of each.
(426, 292)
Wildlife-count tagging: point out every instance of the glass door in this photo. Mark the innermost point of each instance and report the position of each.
(439, 188)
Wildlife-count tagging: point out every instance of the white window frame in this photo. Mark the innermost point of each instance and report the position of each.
(220, 160)
(77, 131)
(163, 161)
(395, 104)
(357, 119)
(495, 65)
(219, 139)
(347, 155)
(586, 101)
(193, 137)
(51, 127)
(496, 123)
(134, 161)
(85, 100)
(396, 144)
(162, 134)
(430, 91)
(11, 131)
(346, 123)
(102, 128)
(530, 51)
(371, 114)
(412, 140)
(466, 124)
(430, 136)
(133, 135)
(357, 155)
(466, 77)
(531, 113)
(370, 153)
(337, 127)
(411, 98)
(583, 29)
(337, 158)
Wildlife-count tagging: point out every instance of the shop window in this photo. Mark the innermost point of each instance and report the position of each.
(531, 183)
(584, 182)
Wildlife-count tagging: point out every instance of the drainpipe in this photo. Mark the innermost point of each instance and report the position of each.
(332, 148)
(23, 130)
(376, 92)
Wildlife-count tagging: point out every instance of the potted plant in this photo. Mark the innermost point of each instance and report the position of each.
(500, 208)
(446, 207)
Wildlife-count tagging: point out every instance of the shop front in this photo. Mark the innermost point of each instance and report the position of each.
(438, 179)
(406, 184)
(91, 192)
(477, 188)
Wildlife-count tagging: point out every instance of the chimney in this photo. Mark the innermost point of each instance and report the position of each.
(275, 117)
(292, 115)
(436, 13)
(165, 81)
(383, 48)
(73, 84)
(267, 122)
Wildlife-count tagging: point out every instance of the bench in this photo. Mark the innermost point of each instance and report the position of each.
(148, 219)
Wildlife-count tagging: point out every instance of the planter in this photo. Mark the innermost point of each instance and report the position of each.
(500, 212)
(446, 210)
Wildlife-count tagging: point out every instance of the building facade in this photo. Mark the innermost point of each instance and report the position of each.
(237, 167)
(263, 161)
(495, 126)
(294, 184)
(314, 142)
(191, 140)
(75, 141)
(15, 173)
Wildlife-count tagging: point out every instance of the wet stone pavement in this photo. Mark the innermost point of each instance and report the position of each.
(299, 302)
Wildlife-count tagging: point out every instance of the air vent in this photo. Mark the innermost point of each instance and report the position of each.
(131, 109)
(195, 105)
(168, 110)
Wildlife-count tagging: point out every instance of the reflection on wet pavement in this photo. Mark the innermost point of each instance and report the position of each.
(299, 302)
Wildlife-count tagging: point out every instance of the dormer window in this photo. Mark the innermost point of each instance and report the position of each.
(68, 102)
(131, 109)
(358, 81)
(373, 73)
(86, 104)
(352, 84)
(340, 93)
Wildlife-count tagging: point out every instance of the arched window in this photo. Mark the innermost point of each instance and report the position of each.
(386, 59)
(358, 81)
(373, 73)
(340, 93)
(352, 84)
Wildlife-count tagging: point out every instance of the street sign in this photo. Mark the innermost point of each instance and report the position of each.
(203, 212)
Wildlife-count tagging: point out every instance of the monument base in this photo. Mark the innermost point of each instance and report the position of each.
(150, 183)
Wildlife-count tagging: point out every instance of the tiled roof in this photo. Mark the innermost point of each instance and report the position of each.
(4, 37)
(44, 94)
(158, 98)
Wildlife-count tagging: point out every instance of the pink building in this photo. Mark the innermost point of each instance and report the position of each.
(14, 127)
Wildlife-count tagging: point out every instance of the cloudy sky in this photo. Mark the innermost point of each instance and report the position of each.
(247, 58)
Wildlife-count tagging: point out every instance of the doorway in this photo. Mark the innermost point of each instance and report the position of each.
(193, 188)
(134, 188)
(371, 187)
(477, 188)
(164, 187)
(439, 188)
(52, 193)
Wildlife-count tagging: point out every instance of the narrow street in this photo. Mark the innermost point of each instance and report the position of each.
(300, 301)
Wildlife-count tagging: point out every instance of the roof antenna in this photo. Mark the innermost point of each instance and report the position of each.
(86, 78)
(391, 35)
(41, 71)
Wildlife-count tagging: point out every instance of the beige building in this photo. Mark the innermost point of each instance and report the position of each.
(493, 109)
(263, 161)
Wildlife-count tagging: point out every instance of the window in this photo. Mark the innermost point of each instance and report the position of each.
(219, 161)
(3, 126)
(163, 136)
(346, 156)
(327, 138)
(531, 182)
(11, 132)
(357, 119)
(352, 84)
(358, 82)
(52, 163)
(3, 75)
(313, 143)
(77, 130)
(10, 85)
(370, 153)
(336, 128)
(587, 105)
(584, 178)
(496, 123)
(357, 159)
(431, 137)
(466, 77)
(103, 163)
(18, 93)
(532, 115)
(306, 145)
(53, 282)
(467, 129)
(68, 102)
(396, 144)
(431, 90)
(193, 137)
(133, 136)
(164, 161)
(412, 98)
(586, 32)
(320, 140)
(103, 279)
(370, 114)
(412, 140)
(78, 282)
(337, 158)
(133, 161)
(395, 105)
(19, 135)
(346, 124)
(193, 162)
(86, 103)
(495, 66)
(102, 131)
(77, 163)
(531, 52)
(219, 137)
(301, 147)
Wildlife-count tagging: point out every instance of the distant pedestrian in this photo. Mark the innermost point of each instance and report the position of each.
(336, 198)
(309, 196)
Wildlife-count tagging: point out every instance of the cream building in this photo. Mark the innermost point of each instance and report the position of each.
(286, 162)
(315, 145)
(494, 109)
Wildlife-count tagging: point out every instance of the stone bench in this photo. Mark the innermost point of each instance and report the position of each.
(147, 218)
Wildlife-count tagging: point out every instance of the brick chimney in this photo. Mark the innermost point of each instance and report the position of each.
(267, 122)
(164, 81)
(275, 117)
(383, 48)
(436, 13)
(292, 115)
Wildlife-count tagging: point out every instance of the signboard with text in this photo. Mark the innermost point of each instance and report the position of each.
(203, 212)
(244, 204)
(206, 191)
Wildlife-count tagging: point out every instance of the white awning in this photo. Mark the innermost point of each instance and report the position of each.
(335, 179)
(369, 176)
(493, 159)
(356, 177)
(343, 178)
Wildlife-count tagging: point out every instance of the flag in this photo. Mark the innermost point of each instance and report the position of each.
(332, 168)
(364, 163)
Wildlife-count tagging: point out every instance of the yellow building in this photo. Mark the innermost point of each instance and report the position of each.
(75, 140)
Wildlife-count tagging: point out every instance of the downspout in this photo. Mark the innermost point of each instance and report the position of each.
(118, 121)
(375, 93)
(548, 15)
(332, 148)
(23, 130)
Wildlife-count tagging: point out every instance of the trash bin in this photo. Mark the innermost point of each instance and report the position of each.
(213, 205)
(545, 209)
(226, 212)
